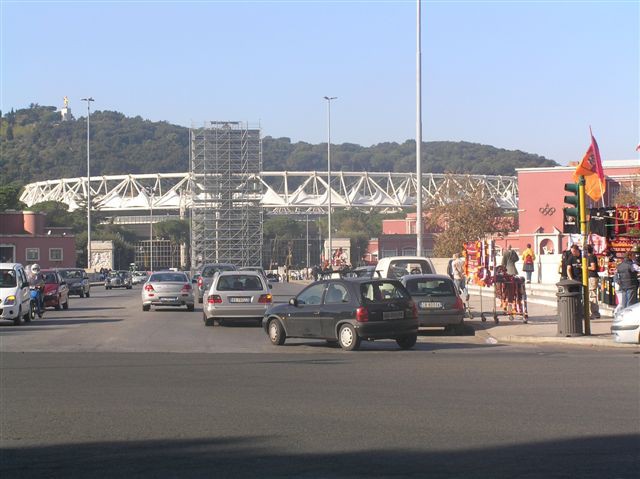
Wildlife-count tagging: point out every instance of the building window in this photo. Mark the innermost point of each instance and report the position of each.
(55, 254)
(7, 253)
(32, 254)
(408, 251)
(389, 252)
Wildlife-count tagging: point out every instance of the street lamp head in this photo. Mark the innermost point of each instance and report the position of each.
(87, 99)
(329, 98)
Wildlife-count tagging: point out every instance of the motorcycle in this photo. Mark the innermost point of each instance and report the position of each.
(37, 302)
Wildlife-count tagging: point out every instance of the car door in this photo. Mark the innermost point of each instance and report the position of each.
(304, 319)
(23, 289)
(338, 305)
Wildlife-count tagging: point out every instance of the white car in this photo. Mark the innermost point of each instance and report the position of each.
(138, 277)
(626, 325)
(15, 296)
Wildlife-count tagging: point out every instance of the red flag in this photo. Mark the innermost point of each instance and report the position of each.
(591, 168)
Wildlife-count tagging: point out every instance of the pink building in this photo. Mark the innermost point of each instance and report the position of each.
(25, 239)
(541, 200)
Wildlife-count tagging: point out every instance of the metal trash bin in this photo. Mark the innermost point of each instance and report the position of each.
(569, 308)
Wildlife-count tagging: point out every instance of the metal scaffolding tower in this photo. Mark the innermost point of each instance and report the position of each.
(226, 221)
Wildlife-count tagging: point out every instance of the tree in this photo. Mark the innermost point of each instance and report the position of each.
(466, 216)
(176, 231)
(10, 197)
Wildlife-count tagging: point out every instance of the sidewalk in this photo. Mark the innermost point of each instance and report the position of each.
(542, 326)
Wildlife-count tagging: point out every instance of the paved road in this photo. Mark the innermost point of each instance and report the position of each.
(238, 407)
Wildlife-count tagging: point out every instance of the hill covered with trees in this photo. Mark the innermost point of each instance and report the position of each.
(36, 145)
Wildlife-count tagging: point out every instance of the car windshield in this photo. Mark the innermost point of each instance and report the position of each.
(239, 282)
(8, 278)
(432, 287)
(209, 271)
(381, 291)
(168, 278)
(50, 278)
(71, 274)
(113, 274)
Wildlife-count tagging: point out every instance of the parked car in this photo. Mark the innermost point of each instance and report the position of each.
(273, 277)
(118, 279)
(626, 325)
(396, 267)
(438, 301)
(56, 291)
(257, 269)
(346, 311)
(15, 297)
(77, 281)
(208, 270)
(236, 295)
(139, 277)
(167, 288)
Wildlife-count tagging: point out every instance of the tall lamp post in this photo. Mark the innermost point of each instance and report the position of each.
(151, 192)
(88, 100)
(419, 227)
(329, 98)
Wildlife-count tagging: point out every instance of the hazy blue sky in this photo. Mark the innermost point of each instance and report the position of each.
(519, 75)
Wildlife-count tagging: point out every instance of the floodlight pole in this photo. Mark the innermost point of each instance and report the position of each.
(330, 253)
(88, 100)
(419, 227)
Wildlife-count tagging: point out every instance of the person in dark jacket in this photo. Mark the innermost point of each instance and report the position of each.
(628, 279)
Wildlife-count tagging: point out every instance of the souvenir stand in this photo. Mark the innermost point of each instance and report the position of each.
(509, 293)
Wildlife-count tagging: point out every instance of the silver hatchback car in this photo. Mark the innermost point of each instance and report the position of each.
(236, 295)
(167, 288)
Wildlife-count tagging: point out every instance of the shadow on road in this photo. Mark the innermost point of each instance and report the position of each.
(593, 457)
(73, 307)
(33, 325)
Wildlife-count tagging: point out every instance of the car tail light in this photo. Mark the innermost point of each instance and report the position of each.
(186, 288)
(200, 282)
(214, 299)
(265, 298)
(148, 287)
(459, 305)
(414, 309)
(362, 315)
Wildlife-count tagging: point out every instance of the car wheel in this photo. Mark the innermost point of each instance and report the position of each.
(277, 336)
(460, 329)
(348, 338)
(32, 311)
(18, 319)
(66, 304)
(87, 294)
(208, 321)
(407, 342)
(146, 307)
(190, 307)
(200, 300)
(82, 293)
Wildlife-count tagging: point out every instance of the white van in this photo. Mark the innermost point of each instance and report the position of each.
(15, 297)
(395, 267)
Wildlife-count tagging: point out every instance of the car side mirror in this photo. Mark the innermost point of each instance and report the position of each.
(293, 302)
(25, 284)
(270, 286)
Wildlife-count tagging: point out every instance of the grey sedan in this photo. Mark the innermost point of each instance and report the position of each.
(167, 288)
(236, 295)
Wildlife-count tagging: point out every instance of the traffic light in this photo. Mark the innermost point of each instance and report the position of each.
(572, 211)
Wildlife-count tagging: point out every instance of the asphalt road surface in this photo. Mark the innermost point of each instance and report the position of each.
(105, 390)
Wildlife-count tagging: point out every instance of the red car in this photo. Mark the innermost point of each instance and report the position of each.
(56, 291)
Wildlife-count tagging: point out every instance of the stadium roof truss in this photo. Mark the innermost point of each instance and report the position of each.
(283, 192)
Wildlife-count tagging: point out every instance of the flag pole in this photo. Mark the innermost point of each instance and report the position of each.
(585, 273)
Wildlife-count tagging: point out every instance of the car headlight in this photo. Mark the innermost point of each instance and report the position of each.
(10, 300)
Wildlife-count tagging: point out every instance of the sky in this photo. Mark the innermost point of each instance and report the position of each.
(520, 75)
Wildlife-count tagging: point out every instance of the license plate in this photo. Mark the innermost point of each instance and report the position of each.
(430, 305)
(393, 315)
(168, 299)
(239, 300)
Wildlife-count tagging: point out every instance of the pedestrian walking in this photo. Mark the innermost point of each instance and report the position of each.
(574, 265)
(594, 279)
(509, 260)
(459, 276)
(528, 257)
(627, 272)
